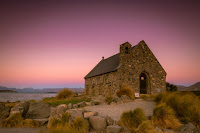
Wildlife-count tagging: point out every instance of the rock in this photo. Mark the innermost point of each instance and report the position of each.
(21, 108)
(75, 113)
(81, 104)
(158, 130)
(69, 106)
(113, 129)
(98, 123)
(38, 111)
(188, 128)
(109, 120)
(118, 100)
(75, 106)
(168, 131)
(96, 102)
(125, 98)
(91, 103)
(113, 103)
(42, 122)
(58, 111)
(89, 114)
(4, 111)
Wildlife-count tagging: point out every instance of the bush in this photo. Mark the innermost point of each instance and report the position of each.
(14, 120)
(164, 117)
(109, 99)
(124, 90)
(132, 119)
(146, 96)
(65, 93)
(171, 87)
(145, 127)
(55, 122)
(186, 106)
(81, 125)
(30, 123)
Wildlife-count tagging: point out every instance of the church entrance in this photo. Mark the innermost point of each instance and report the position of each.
(143, 83)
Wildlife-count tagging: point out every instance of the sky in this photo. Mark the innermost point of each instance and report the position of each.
(55, 43)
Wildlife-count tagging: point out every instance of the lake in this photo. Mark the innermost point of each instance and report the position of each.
(12, 97)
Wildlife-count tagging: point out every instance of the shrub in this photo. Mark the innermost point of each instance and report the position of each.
(14, 120)
(171, 87)
(132, 119)
(164, 117)
(145, 127)
(65, 93)
(146, 96)
(124, 90)
(186, 106)
(30, 123)
(81, 125)
(55, 122)
(109, 99)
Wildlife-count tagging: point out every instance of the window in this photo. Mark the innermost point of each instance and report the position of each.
(126, 50)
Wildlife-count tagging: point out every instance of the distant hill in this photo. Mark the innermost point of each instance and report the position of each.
(10, 91)
(194, 87)
(45, 90)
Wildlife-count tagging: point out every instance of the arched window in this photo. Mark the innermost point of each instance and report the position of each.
(126, 50)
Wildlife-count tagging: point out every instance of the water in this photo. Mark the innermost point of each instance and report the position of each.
(12, 97)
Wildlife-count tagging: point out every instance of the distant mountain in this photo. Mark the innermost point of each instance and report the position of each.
(45, 90)
(194, 87)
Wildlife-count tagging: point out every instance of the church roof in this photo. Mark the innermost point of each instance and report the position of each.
(107, 65)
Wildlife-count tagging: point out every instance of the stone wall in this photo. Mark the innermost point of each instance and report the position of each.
(132, 64)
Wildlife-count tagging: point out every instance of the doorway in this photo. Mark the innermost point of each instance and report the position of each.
(143, 83)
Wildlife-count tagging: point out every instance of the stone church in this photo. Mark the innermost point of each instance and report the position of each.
(136, 67)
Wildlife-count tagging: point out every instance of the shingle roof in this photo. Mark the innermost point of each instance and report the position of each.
(107, 65)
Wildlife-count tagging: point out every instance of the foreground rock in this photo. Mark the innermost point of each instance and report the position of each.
(89, 114)
(21, 108)
(98, 123)
(188, 128)
(38, 111)
(113, 129)
(74, 113)
(125, 99)
(4, 111)
(58, 111)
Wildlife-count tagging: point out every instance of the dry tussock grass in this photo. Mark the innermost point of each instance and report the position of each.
(65, 93)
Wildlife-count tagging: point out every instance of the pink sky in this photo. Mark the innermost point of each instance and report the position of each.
(56, 43)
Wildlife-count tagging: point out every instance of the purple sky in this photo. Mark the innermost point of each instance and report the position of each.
(56, 43)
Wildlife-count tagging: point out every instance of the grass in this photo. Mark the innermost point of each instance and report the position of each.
(185, 104)
(132, 119)
(63, 125)
(16, 120)
(65, 93)
(165, 117)
(109, 99)
(145, 127)
(124, 90)
(73, 100)
(146, 96)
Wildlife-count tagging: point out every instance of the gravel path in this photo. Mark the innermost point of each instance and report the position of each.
(114, 111)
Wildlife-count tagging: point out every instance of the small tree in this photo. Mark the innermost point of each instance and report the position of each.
(171, 87)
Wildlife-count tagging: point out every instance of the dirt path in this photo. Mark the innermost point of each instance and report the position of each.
(20, 130)
(114, 111)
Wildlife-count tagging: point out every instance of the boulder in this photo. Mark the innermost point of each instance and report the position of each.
(113, 129)
(75, 113)
(109, 120)
(188, 128)
(75, 106)
(91, 103)
(125, 98)
(81, 104)
(89, 114)
(98, 123)
(69, 106)
(58, 111)
(42, 122)
(38, 111)
(118, 100)
(4, 111)
(21, 108)
(113, 103)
